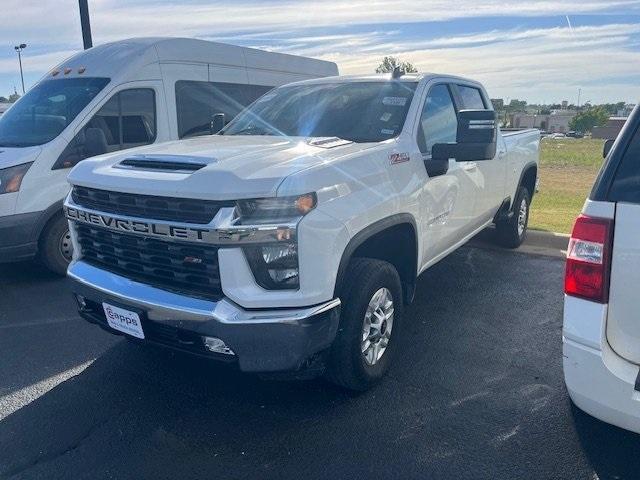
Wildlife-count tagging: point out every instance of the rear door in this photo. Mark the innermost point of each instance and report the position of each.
(623, 322)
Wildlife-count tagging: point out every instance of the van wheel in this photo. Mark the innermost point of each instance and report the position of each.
(511, 232)
(55, 249)
(372, 307)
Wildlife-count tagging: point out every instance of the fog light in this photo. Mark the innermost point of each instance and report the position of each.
(216, 345)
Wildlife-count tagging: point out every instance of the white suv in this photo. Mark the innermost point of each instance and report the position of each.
(601, 334)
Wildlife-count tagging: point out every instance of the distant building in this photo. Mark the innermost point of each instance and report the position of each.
(610, 130)
(564, 104)
(555, 122)
(626, 111)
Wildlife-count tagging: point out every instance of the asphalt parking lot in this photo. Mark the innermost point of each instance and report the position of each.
(477, 392)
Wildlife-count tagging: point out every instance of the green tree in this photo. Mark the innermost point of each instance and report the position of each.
(4, 100)
(389, 63)
(14, 97)
(587, 119)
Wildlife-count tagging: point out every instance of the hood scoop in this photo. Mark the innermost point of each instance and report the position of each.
(329, 142)
(166, 163)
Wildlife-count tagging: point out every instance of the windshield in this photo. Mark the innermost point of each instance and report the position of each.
(356, 111)
(46, 110)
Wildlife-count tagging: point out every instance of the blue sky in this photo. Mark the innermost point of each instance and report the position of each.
(541, 51)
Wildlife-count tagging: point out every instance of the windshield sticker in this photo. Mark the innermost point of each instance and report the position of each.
(385, 117)
(387, 131)
(396, 158)
(395, 101)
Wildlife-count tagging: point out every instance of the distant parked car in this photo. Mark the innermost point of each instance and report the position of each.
(574, 134)
(601, 332)
(557, 135)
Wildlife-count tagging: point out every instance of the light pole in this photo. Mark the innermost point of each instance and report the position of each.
(19, 49)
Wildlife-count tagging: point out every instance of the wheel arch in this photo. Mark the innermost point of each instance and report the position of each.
(45, 218)
(528, 178)
(403, 254)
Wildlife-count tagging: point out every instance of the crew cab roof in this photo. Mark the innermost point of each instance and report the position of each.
(383, 77)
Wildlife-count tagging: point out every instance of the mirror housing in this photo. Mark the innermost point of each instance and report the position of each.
(217, 123)
(606, 148)
(476, 138)
(435, 168)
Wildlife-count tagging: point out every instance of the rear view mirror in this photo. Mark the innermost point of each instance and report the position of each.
(606, 148)
(217, 123)
(475, 140)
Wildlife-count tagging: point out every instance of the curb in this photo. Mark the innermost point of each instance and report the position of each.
(538, 242)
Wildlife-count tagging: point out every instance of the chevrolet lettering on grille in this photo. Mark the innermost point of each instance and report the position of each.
(136, 226)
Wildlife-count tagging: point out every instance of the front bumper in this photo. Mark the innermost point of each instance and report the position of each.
(18, 239)
(272, 340)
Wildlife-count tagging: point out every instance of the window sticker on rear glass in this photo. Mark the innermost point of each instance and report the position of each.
(385, 117)
(387, 131)
(395, 101)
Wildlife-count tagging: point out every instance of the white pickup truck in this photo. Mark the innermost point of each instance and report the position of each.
(291, 241)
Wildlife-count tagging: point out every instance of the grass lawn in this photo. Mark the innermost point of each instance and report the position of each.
(568, 167)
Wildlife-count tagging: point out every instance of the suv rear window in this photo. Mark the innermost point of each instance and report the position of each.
(626, 183)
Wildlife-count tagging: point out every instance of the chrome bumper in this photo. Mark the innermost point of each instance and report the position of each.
(264, 340)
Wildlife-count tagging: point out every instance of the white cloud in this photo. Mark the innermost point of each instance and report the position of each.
(513, 62)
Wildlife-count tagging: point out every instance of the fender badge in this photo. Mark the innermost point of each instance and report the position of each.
(396, 158)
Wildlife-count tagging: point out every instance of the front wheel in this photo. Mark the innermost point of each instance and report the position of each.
(55, 249)
(372, 306)
(512, 231)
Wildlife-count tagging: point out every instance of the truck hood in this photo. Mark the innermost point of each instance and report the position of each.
(224, 167)
(10, 156)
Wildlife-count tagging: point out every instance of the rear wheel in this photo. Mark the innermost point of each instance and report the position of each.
(372, 306)
(55, 249)
(512, 231)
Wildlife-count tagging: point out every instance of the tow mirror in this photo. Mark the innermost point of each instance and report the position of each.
(217, 123)
(606, 148)
(475, 140)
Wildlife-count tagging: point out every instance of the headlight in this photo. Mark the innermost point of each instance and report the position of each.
(11, 178)
(275, 267)
(275, 210)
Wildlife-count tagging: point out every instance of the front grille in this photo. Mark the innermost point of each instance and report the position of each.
(175, 266)
(149, 207)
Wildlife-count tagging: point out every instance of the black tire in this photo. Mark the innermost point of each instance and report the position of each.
(508, 231)
(346, 364)
(54, 239)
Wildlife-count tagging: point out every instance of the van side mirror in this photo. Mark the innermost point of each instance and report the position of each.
(476, 138)
(217, 123)
(606, 148)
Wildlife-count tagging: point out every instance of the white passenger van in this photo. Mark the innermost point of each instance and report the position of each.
(113, 97)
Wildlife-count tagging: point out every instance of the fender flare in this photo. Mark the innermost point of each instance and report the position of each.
(524, 171)
(368, 232)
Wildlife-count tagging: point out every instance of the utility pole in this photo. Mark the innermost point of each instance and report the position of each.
(85, 23)
(579, 93)
(19, 48)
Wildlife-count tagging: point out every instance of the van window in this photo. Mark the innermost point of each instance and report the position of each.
(438, 122)
(471, 98)
(198, 102)
(46, 110)
(127, 120)
(626, 184)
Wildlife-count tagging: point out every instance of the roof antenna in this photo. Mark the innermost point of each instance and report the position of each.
(397, 72)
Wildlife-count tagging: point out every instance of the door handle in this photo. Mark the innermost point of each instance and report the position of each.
(469, 166)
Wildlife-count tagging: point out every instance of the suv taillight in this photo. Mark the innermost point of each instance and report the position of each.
(589, 259)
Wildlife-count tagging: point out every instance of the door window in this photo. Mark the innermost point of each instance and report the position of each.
(126, 120)
(197, 103)
(471, 98)
(438, 122)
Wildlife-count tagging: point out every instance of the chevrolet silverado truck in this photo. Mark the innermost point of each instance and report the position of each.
(292, 240)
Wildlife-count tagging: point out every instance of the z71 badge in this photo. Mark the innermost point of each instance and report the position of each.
(395, 158)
